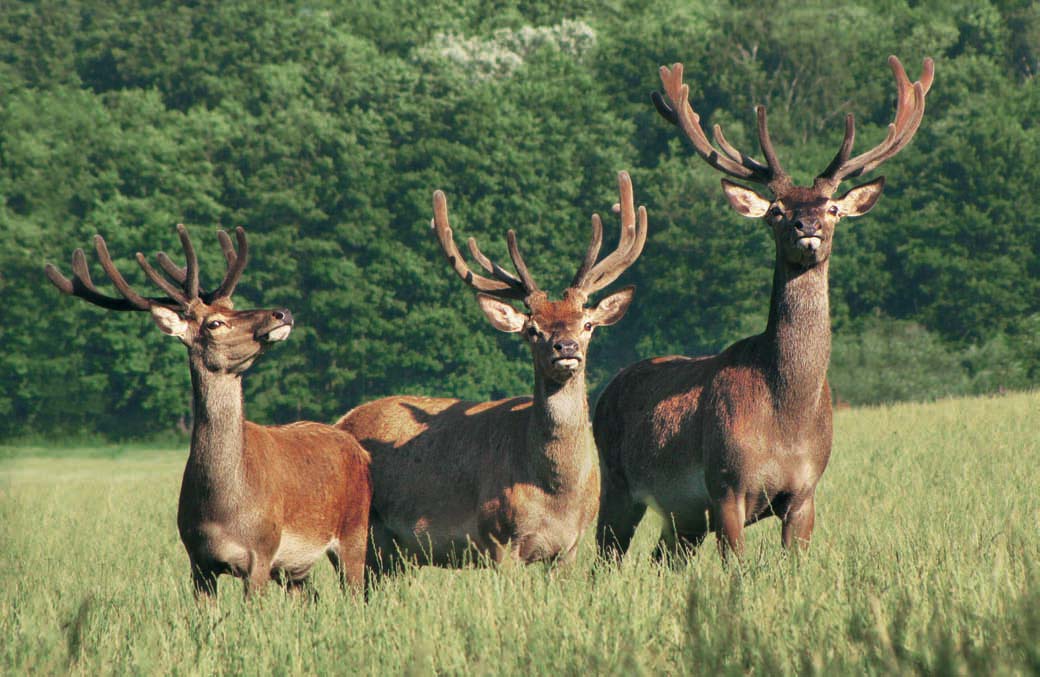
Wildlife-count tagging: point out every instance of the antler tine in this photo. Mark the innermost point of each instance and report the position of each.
(170, 268)
(518, 263)
(161, 281)
(236, 262)
(910, 105)
(180, 275)
(630, 246)
(492, 267)
(225, 246)
(63, 283)
(731, 161)
(82, 273)
(600, 279)
(778, 179)
(117, 279)
(734, 153)
(442, 229)
(82, 286)
(191, 283)
(591, 253)
(846, 147)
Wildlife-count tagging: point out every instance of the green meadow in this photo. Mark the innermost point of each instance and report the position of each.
(924, 560)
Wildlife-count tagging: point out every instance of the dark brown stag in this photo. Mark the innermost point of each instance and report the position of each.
(256, 501)
(716, 443)
(515, 478)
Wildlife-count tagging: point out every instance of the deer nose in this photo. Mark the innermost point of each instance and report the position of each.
(283, 314)
(566, 347)
(807, 228)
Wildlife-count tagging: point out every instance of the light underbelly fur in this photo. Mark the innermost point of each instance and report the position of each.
(297, 554)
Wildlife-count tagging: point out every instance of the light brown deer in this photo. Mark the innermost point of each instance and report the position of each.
(515, 478)
(717, 443)
(256, 501)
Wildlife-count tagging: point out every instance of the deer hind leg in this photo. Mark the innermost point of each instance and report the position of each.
(798, 525)
(382, 555)
(619, 515)
(680, 537)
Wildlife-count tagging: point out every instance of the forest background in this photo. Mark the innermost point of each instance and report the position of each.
(324, 127)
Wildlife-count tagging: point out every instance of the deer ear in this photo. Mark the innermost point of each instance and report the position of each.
(612, 308)
(502, 316)
(861, 199)
(745, 200)
(170, 322)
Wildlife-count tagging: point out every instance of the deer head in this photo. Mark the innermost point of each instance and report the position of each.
(219, 338)
(802, 218)
(558, 332)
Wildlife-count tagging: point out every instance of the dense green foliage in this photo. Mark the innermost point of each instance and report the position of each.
(919, 565)
(324, 127)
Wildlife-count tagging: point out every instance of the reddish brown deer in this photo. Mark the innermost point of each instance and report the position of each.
(515, 478)
(256, 501)
(720, 442)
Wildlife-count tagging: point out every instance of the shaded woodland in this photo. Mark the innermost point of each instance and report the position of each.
(323, 128)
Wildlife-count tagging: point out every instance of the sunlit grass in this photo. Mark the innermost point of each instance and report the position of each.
(923, 561)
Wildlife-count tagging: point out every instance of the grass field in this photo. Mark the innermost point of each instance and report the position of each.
(925, 559)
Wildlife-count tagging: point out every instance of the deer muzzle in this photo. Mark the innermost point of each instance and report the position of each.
(278, 326)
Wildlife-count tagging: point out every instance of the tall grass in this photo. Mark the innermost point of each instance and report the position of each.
(924, 560)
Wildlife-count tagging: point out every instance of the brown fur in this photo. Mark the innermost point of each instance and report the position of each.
(515, 478)
(250, 489)
(720, 442)
(263, 501)
(255, 501)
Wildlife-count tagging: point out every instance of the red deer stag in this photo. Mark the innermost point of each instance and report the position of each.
(515, 478)
(720, 442)
(256, 501)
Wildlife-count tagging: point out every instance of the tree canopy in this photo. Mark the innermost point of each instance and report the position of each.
(324, 128)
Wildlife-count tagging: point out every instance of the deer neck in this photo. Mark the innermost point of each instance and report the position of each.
(218, 431)
(559, 440)
(798, 336)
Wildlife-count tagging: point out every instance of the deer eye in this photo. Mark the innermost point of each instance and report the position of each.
(833, 210)
(775, 211)
(214, 324)
(588, 326)
(532, 332)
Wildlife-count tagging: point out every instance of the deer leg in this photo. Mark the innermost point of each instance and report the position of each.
(566, 559)
(690, 533)
(680, 537)
(204, 582)
(619, 515)
(798, 525)
(298, 587)
(728, 517)
(258, 576)
(382, 557)
(665, 547)
(348, 559)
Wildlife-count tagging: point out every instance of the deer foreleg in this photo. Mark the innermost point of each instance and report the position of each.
(728, 517)
(798, 525)
(258, 575)
(204, 583)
